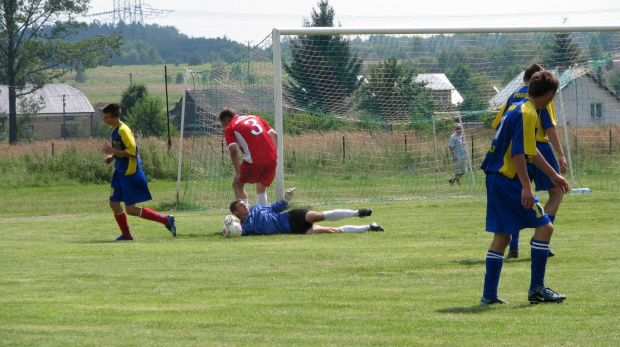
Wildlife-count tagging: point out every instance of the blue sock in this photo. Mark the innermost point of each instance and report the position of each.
(494, 264)
(514, 242)
(540, 254)
(551, 218)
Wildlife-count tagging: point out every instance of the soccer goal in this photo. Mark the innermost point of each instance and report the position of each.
(367, 114)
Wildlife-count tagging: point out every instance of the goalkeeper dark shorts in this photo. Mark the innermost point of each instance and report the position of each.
(297, 220)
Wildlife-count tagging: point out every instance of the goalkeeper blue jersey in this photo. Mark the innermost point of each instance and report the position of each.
(516, 134)
(267, 220)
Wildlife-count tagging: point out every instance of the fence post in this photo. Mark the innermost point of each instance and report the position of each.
(344, 149)
(472, 147)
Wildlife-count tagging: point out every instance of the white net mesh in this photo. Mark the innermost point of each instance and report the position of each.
(369, 117)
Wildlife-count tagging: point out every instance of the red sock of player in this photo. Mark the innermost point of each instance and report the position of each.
(154, 216)
(121, 220)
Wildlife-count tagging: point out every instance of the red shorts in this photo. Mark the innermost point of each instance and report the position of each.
(254, 173)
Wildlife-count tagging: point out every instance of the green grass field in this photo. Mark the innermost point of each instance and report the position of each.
(107, 83)
(64, 283)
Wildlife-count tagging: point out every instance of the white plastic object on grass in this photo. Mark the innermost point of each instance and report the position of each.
(579, 191)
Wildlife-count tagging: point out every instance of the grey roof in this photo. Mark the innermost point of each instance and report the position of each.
(500, 98)
(440, 82)
(435, 81)
(52, 94)
(565, 77)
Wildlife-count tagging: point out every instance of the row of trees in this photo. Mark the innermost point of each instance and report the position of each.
(150, 44)
(325, 72)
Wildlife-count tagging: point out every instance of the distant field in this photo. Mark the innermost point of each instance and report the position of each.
(106, 84)
(64, 283)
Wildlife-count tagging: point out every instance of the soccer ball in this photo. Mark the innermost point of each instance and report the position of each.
(232, 227)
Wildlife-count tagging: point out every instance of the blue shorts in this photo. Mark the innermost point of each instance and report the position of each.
(131, 189)
(541, 180)
(505, 214)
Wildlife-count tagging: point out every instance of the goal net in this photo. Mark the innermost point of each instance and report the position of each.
(368, 114)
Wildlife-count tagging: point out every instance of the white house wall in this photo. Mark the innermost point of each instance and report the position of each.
(577, 97)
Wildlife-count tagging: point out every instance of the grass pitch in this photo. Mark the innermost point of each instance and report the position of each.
(63, 282)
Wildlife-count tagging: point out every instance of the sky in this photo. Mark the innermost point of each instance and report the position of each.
(250, 21)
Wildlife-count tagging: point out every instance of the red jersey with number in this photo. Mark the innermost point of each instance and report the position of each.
(251, 134)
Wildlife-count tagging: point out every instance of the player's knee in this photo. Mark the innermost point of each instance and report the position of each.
(314, 217)
(133, 210)
(555, 194)
(546, 229)
(116, 207)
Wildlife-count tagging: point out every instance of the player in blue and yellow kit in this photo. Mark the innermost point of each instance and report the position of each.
(511, 202)
(128, 182)
(545, 132)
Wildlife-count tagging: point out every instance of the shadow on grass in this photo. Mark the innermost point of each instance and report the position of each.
(179, 236)
(483, 261)
(216, 234)
(470, 261)
(480, 309)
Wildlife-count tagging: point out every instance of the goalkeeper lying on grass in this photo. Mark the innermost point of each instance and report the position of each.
(271, 220)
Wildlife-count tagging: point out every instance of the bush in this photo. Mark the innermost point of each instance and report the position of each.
(81, 162)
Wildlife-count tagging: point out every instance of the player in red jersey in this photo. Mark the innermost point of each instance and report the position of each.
(257, 141)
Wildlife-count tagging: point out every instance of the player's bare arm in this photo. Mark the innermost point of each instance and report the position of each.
(557, 180)
(234, 157)
(108, 149)
(552, 133)
(274, 138)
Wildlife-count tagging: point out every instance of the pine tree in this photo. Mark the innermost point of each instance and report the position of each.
(389, 86)
(323, 68)
(561, 52)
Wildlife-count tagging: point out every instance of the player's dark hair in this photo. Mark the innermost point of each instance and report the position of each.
(227, 113)
(112, 109)
(233, 205)
(530, 70)
(542, 82)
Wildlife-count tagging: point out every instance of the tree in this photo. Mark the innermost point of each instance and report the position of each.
(147, 117)
(471, 87)
(323, 68)
(389, 88)
(131, 96)
(561, 52)
(595, 47)
(196, 59)
(36, 46)
(614, 79)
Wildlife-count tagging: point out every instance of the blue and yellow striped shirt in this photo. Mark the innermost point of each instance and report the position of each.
(123, 139)
(516, 134)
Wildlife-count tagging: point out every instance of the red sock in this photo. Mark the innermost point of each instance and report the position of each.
(121, 220)
(154, 216)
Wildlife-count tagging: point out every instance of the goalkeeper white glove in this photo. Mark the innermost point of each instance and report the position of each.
(288, 195)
